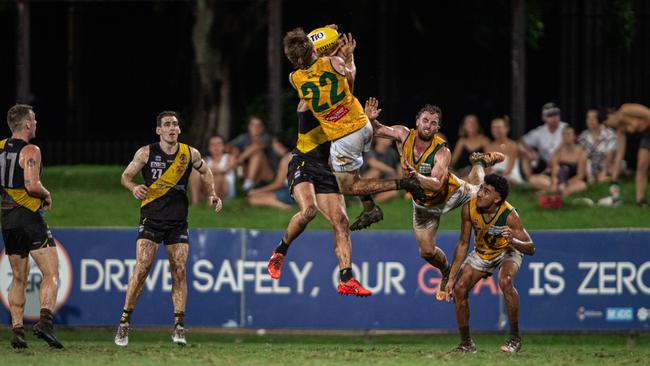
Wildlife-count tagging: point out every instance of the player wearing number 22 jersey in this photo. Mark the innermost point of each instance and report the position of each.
(326, 85)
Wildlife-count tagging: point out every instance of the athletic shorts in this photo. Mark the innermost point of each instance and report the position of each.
(165, 231)
(305, 170)
(21, 240)
(645, 139)
(489, 266)
(346, 153)
(428, 218)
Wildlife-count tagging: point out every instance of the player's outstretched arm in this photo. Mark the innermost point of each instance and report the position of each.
(461, 247)
(206, 177)
(30, 161)
(139, 160)
(398, 133)
(517, 236)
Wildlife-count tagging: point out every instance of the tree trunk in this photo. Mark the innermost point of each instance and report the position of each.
(518, 68)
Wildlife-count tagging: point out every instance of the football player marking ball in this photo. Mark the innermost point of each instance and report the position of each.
(324, 39)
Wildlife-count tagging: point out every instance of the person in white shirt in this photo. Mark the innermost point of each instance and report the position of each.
(222, 166)
(537, 146)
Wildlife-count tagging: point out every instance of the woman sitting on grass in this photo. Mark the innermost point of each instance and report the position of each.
(568, 168)
(276, 194)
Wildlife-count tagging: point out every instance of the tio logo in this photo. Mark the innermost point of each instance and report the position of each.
(317, 36)
(32, 306)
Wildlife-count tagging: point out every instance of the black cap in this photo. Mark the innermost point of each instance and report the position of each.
(550, 109)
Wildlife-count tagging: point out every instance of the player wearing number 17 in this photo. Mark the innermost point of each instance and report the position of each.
(326, 84)
(166, 166)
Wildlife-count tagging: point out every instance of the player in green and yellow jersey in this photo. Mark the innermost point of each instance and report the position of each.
(326, 85)
(425, 156)
(500, 241)
(314, 187)
(166, 166)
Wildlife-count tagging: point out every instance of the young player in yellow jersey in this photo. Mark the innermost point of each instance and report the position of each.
(326, 84)
(425, 155)
(500, 241)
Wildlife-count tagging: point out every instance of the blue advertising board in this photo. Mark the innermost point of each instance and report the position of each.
(577, 280)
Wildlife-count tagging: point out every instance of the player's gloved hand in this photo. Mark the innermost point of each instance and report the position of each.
(140, 192)
(216, 201)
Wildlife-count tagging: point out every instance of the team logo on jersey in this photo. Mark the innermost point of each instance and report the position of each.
(158, 158)
(425, 168)
(32, 306)
(156, 164)
(183, 159)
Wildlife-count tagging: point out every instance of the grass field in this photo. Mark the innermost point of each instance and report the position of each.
(93, 196)
(95, 347)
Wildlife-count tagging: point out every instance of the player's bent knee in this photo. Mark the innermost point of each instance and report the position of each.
(309, 212)
(505, 284)
(460, 291)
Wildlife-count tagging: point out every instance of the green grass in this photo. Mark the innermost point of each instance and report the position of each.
(95, 347)
(93, 196)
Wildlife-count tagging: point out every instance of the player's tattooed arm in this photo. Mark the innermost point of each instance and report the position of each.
(139, 161)
(517, 236)
(461, 247)
(30, 161)
(206, 177)
(397, 133)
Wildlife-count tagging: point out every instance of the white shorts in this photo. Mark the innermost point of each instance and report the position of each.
(427, 218)
(346, 153)
(489, 266)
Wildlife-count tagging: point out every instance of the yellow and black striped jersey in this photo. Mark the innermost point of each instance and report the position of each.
(167, 177)
(312, 143)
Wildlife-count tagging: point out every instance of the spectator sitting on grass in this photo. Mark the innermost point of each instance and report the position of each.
(537, 146)
(276, 194)
(568, 168)
(254, 153)
(222, 166)
(509, 168)
(471, 140)
(382, 162)
(599, 142)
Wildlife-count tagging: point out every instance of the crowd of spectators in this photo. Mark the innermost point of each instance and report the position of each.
(552, 159)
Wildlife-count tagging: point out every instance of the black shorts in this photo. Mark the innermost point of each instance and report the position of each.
(23, 239)
(306, 170)
(645, 140)
(167, 232)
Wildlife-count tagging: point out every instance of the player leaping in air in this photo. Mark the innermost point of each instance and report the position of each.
(426, 156)
(326, 84)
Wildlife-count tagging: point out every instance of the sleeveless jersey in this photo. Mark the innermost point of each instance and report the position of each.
(424, 165)
(167, 177)
(18, 207)
(312, 143)
(487, 243)
(329, 98)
